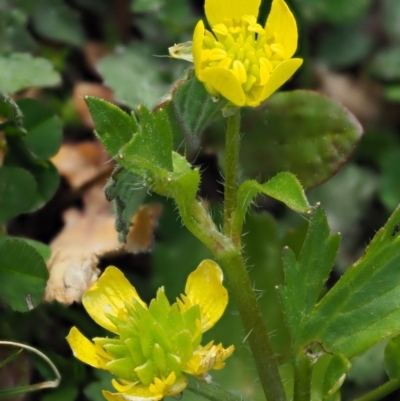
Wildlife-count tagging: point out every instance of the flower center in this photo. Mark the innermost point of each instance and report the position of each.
(247, 49)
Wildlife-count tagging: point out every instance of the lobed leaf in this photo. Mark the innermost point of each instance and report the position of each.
(363, 308)
(305, 277)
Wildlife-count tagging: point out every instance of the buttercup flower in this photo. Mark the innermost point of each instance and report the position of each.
(240, 59)
(155, 345)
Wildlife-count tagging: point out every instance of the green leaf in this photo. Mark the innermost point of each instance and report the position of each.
(23, 275)
(21, 71)
(43, 126)
(127, 192)
(392, 93)
(283, 187)
(151, 147)
(42, 249)
(44, 172)
(391, 17)
(389, 191)
(335, 374)
(386, 64)
(137, 145)
(190, 108)
(302, 132)
(145, 6)
(114, 127)
(17, 192)
(15, 33)
(392, 358)
(134, 76)
(54, 20)
(344, 46)
(363, 308)
(338, 11)
(305, 277)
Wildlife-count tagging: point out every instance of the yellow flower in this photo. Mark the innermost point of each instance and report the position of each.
(242, 60)
(155, 345)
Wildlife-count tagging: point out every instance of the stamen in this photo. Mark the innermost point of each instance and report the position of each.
(239, 70)
(217, 54)
(220, 29)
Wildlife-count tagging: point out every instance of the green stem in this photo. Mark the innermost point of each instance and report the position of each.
(302, 377)
(231, 168)
(235, 269)
(381, 391)
(254, 325)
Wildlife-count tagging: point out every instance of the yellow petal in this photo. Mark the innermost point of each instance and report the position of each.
(129, 396)
(204, 288)
(207, 358)
(220, 10)
(84, 349)
(282, 21)
(108, 296)
(139, 392)
(280, 75)
(197, 46)
(224, 81)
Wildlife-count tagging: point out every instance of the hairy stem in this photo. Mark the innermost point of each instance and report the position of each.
(302, 377)
(235, 269)
(254, 324)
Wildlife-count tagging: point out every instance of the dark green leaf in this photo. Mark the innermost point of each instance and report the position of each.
(44, 172)
(302, 132)
(344, 46)
(190, 108)
(21, 71)
(145, 6)
(23, 275)
(127, 192)
(17, 192)
(54, 20)
(42, 249)
(305, 277)
(386, 64)
(391, 17)
(389, 190)
(44, 129)
(15, 33)
(338, 11)
(363, 308)
(134, 76)
(392, 358)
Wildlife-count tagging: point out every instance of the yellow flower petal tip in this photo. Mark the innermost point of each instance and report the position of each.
(238, 58)
(107, 297)
(155, 346)
(204, 288)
